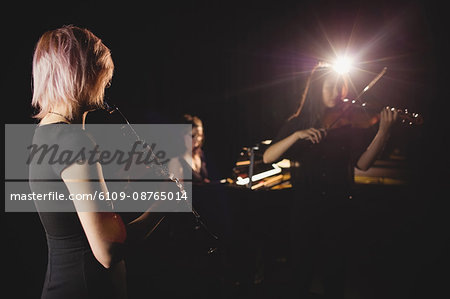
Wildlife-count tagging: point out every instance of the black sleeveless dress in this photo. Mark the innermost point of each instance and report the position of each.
(199, 176)
(321, 210)
(72, 269)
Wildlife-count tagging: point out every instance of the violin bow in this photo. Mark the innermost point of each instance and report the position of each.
(113, 108)
(371, 84)
(357, 99)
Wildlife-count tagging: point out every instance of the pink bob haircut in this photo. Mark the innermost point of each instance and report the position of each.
(71, 69)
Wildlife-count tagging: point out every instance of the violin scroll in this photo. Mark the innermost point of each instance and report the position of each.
(409, 118)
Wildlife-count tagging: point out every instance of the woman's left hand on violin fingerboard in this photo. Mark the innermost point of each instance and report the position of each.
(388, 117)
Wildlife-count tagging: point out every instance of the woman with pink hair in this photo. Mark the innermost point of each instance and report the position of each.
(86, 247)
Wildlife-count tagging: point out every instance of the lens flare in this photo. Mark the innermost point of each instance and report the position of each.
(342, 65)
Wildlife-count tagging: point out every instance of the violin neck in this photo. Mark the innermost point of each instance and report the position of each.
(406, 117)
(409, 118)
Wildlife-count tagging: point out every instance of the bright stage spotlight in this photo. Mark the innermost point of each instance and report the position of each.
(342, 65)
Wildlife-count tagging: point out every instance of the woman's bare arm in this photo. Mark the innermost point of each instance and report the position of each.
(275, 151)
(105, 231)
(387, 119)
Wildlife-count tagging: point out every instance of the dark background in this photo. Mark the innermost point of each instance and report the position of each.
(239, 66)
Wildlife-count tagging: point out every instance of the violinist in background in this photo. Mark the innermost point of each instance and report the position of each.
(323, 182)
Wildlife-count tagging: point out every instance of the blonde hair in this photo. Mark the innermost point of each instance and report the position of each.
(71, 68)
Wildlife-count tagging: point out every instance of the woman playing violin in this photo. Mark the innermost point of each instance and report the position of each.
(323, 182)
(87, 245)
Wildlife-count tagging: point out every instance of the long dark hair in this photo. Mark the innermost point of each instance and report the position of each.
(195, 121)
(311, 108)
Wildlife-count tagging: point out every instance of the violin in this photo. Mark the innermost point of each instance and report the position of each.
(363, 115)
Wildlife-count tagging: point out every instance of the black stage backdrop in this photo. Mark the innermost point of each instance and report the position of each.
(239, 66)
